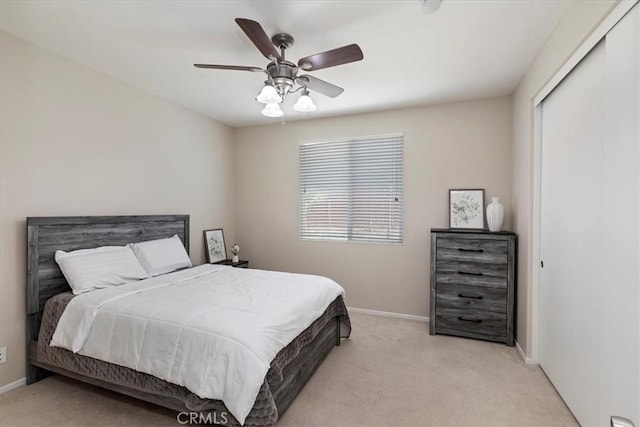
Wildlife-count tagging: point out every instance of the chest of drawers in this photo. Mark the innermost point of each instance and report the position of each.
(473, 284)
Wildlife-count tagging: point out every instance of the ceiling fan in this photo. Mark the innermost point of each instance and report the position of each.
(282, 75)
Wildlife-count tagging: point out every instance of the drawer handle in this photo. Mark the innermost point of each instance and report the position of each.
(470, 274)
(464, 319)
(470, 296)
(470, 250)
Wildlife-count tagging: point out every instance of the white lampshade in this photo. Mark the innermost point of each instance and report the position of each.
(304, 103)
(272, 109)
(268, 95)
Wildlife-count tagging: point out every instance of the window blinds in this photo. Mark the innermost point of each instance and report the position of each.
(352, 190)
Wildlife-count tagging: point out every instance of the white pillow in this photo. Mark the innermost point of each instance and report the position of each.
(89, 269)
(161, 256)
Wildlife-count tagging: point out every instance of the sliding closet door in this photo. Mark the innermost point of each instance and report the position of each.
(571, 227)
(590, 231)
(620, 308)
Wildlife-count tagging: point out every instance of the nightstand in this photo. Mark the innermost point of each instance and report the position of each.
(243, 263)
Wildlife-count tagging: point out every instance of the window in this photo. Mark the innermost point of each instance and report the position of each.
(351, 190)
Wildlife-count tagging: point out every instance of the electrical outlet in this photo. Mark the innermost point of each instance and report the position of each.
(3, 354)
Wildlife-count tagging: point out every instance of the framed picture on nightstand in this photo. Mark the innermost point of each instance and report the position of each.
(466, 209)
(216, 249)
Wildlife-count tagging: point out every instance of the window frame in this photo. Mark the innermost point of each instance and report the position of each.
(349, 233)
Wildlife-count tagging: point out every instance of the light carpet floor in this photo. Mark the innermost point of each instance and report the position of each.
(391, 372)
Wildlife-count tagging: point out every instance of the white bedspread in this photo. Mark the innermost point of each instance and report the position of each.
(212, 329)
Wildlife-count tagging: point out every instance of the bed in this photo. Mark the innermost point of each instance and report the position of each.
(48, 294)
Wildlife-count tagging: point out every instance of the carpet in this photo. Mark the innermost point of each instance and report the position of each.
(391, 372)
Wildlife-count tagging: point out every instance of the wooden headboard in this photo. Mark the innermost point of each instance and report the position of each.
(48, 234)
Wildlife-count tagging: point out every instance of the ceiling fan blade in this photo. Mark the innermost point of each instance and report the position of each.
(319, 85)
(229, 67)
(256, 34)
(331, 58)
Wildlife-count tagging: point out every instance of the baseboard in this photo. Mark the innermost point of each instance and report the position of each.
(11, 386)
(527, 360)
(388, 314)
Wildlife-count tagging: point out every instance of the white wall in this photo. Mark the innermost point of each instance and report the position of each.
(580, 20)
(74, 141)
(462, 145)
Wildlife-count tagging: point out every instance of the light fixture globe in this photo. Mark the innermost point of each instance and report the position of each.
(304, 103)
(268, 95)
(272, 109)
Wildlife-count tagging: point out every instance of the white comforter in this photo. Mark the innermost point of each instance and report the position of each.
(213, 329)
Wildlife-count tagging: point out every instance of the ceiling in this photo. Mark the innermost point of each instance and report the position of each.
(469, 49)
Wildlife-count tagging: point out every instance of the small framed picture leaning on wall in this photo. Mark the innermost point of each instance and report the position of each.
(216, 249)
(466, 208)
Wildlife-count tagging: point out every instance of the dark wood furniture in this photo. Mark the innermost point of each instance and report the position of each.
(45, 235)
(243, 263)
(473, 276)
(45, 280)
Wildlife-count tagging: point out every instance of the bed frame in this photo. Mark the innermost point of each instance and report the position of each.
(45, 280)
(47, 234)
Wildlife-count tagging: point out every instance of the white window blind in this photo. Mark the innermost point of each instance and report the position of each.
(352, 190)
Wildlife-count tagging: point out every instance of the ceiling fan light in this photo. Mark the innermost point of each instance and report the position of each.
(272, 109)
(268, 95)
(304, 103)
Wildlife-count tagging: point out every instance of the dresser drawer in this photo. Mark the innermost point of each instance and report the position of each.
(472, 250)
(486, 323)
(464, 277)
(472, 268)
(474, 298)
(471, 273)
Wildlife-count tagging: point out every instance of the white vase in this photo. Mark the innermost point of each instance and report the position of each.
(495, 214)
(235, 258)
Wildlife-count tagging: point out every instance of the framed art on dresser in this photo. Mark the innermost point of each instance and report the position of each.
(216, 249)
(466, 209)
